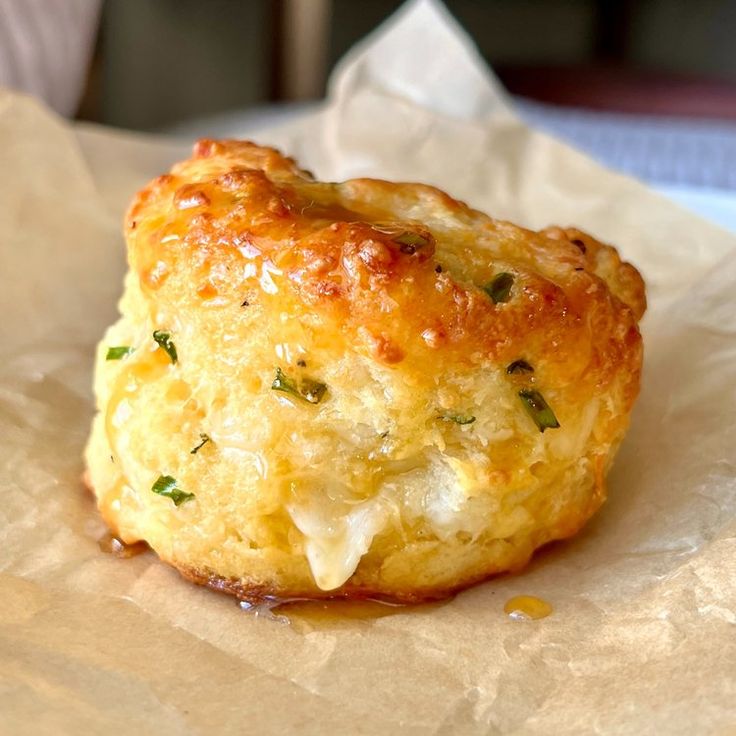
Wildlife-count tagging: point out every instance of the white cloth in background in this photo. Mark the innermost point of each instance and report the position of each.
(45, 47)
(660, 149)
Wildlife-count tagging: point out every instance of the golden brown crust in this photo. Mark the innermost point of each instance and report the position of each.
(621, 277)
(235, 203)
(254, 593)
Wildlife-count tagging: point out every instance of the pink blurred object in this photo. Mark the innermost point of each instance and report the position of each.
(45, 48)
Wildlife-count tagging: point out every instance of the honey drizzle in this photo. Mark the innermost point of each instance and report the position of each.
(110, 544)
(309, 614)
(527, 608)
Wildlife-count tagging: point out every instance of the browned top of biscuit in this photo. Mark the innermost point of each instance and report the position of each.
(397, 268)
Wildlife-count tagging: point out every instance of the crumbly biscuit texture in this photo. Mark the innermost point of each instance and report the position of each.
(371, 374)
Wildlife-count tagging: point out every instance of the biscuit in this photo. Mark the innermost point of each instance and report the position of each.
(356, 389)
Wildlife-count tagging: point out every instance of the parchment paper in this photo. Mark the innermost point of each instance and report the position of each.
(642, 639)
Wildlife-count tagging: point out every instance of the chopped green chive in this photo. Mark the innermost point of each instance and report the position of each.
(118, 353)
(312, 391)
(282, 383)
(164, 341)
(166, 486)
(519, 366)
(457, 418)
(499, 288)
(205, 439)
(410, 242)
(307, 389)
(538, 409)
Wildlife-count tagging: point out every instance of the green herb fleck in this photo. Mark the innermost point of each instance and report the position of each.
(499, 288)
(307, 389)
(205, 439)
(539, 410)
(410, 242)
(283, 383)
(118, 353)
(164, 341)
(519, 366)
(457, 418)
(166, 486)
(313, 391)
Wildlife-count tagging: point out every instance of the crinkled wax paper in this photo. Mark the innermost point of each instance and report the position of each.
(642, 639)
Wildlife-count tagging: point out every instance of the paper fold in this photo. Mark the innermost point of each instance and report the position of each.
(423, 57)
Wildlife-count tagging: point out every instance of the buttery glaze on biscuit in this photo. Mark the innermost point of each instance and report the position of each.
(354, 389)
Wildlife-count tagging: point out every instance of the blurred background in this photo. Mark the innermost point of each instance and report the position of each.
(645, 86)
